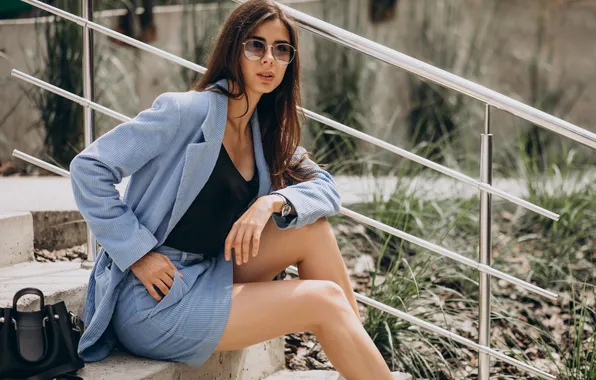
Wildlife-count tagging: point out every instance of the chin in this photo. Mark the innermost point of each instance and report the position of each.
(263, 88)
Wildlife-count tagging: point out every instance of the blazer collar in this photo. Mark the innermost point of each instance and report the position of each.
(214, 127)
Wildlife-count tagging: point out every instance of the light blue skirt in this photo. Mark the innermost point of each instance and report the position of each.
(187, 324)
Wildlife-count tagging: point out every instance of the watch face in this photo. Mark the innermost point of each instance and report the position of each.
(286, 210)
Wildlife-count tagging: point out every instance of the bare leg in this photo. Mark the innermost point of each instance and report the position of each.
(261, 311)
(313, 248)
(284, 307)
(322, 260)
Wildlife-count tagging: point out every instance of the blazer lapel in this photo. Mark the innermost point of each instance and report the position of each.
(200, 158)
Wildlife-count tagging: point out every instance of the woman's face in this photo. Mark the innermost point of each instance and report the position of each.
(255, 72)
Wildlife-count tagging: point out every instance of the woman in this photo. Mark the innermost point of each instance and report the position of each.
(217, 180)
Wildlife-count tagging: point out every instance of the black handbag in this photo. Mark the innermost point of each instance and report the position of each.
(39, 345)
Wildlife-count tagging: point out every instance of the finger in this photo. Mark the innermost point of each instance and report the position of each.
(167, 269)
(161, 265)
(159, 292)
(166, 280)
(173, 266)
(152, 291)
(246, 245)
(229, 243)
(161, 286)
(256, 242)
(238, 245)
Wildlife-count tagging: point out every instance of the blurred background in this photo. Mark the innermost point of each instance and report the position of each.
(541, 52)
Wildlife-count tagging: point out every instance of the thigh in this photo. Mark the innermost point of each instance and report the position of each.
(278, 249)
(261, 311)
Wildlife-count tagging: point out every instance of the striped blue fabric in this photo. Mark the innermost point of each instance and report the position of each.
(169, 151)
(186, 325)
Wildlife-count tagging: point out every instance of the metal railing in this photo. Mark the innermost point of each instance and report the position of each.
(88, 93)
(340, 36)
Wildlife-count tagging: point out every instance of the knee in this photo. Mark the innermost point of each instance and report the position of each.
(332, 303)
(331, 290)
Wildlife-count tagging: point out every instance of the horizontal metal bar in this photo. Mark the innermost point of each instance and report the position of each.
(442, 77)
(447, 253)
(41, 163)
(119, 36)
(430, 164)
(69, 95)
(441, 331)
(312, 115)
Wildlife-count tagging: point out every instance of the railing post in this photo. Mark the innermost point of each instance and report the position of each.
(486, 176)
(88, 93)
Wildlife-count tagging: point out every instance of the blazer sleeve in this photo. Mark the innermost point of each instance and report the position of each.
(117, 154)
(312, 199)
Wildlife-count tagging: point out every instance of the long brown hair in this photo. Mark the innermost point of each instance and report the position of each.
(278, 116)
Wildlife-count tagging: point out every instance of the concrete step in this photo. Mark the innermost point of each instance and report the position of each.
(252, 363)
(58, 281)
(322, 375)
(67, 281)
(16, 238)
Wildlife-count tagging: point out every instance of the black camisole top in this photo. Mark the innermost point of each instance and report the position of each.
(225, 196)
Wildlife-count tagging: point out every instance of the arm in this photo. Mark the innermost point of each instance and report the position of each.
(117, 154)
(310, 200)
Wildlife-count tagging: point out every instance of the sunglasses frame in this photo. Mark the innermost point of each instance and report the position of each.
(267, 48)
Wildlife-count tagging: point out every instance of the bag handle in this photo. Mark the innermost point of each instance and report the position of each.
(24, 291)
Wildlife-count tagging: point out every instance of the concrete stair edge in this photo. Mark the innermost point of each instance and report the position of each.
(244, 364)
(322, 375)
(59, 281)
(16, 238)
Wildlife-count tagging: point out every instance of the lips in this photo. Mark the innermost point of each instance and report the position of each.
(267, 75)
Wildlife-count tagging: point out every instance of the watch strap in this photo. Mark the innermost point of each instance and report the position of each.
(286, 207)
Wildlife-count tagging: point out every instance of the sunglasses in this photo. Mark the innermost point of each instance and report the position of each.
(255, 49)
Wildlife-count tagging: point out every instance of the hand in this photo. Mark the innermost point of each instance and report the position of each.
(155, 269)
(249, 227)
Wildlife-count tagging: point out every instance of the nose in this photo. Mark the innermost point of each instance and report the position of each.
(268, 57)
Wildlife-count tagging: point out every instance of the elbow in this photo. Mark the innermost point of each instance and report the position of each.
(336, 202)
(335, 197)
(77, 167)
(76, 162)
(73, 166)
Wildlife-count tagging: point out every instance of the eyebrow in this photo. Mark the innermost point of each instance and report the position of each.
(262, 39)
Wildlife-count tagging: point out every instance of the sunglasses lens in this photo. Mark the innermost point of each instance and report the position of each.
(284, 53)
(254, 50)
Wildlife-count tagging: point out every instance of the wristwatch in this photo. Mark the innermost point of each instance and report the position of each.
(287, 207)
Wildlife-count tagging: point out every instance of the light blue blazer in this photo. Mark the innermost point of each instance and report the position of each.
(169, 151)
